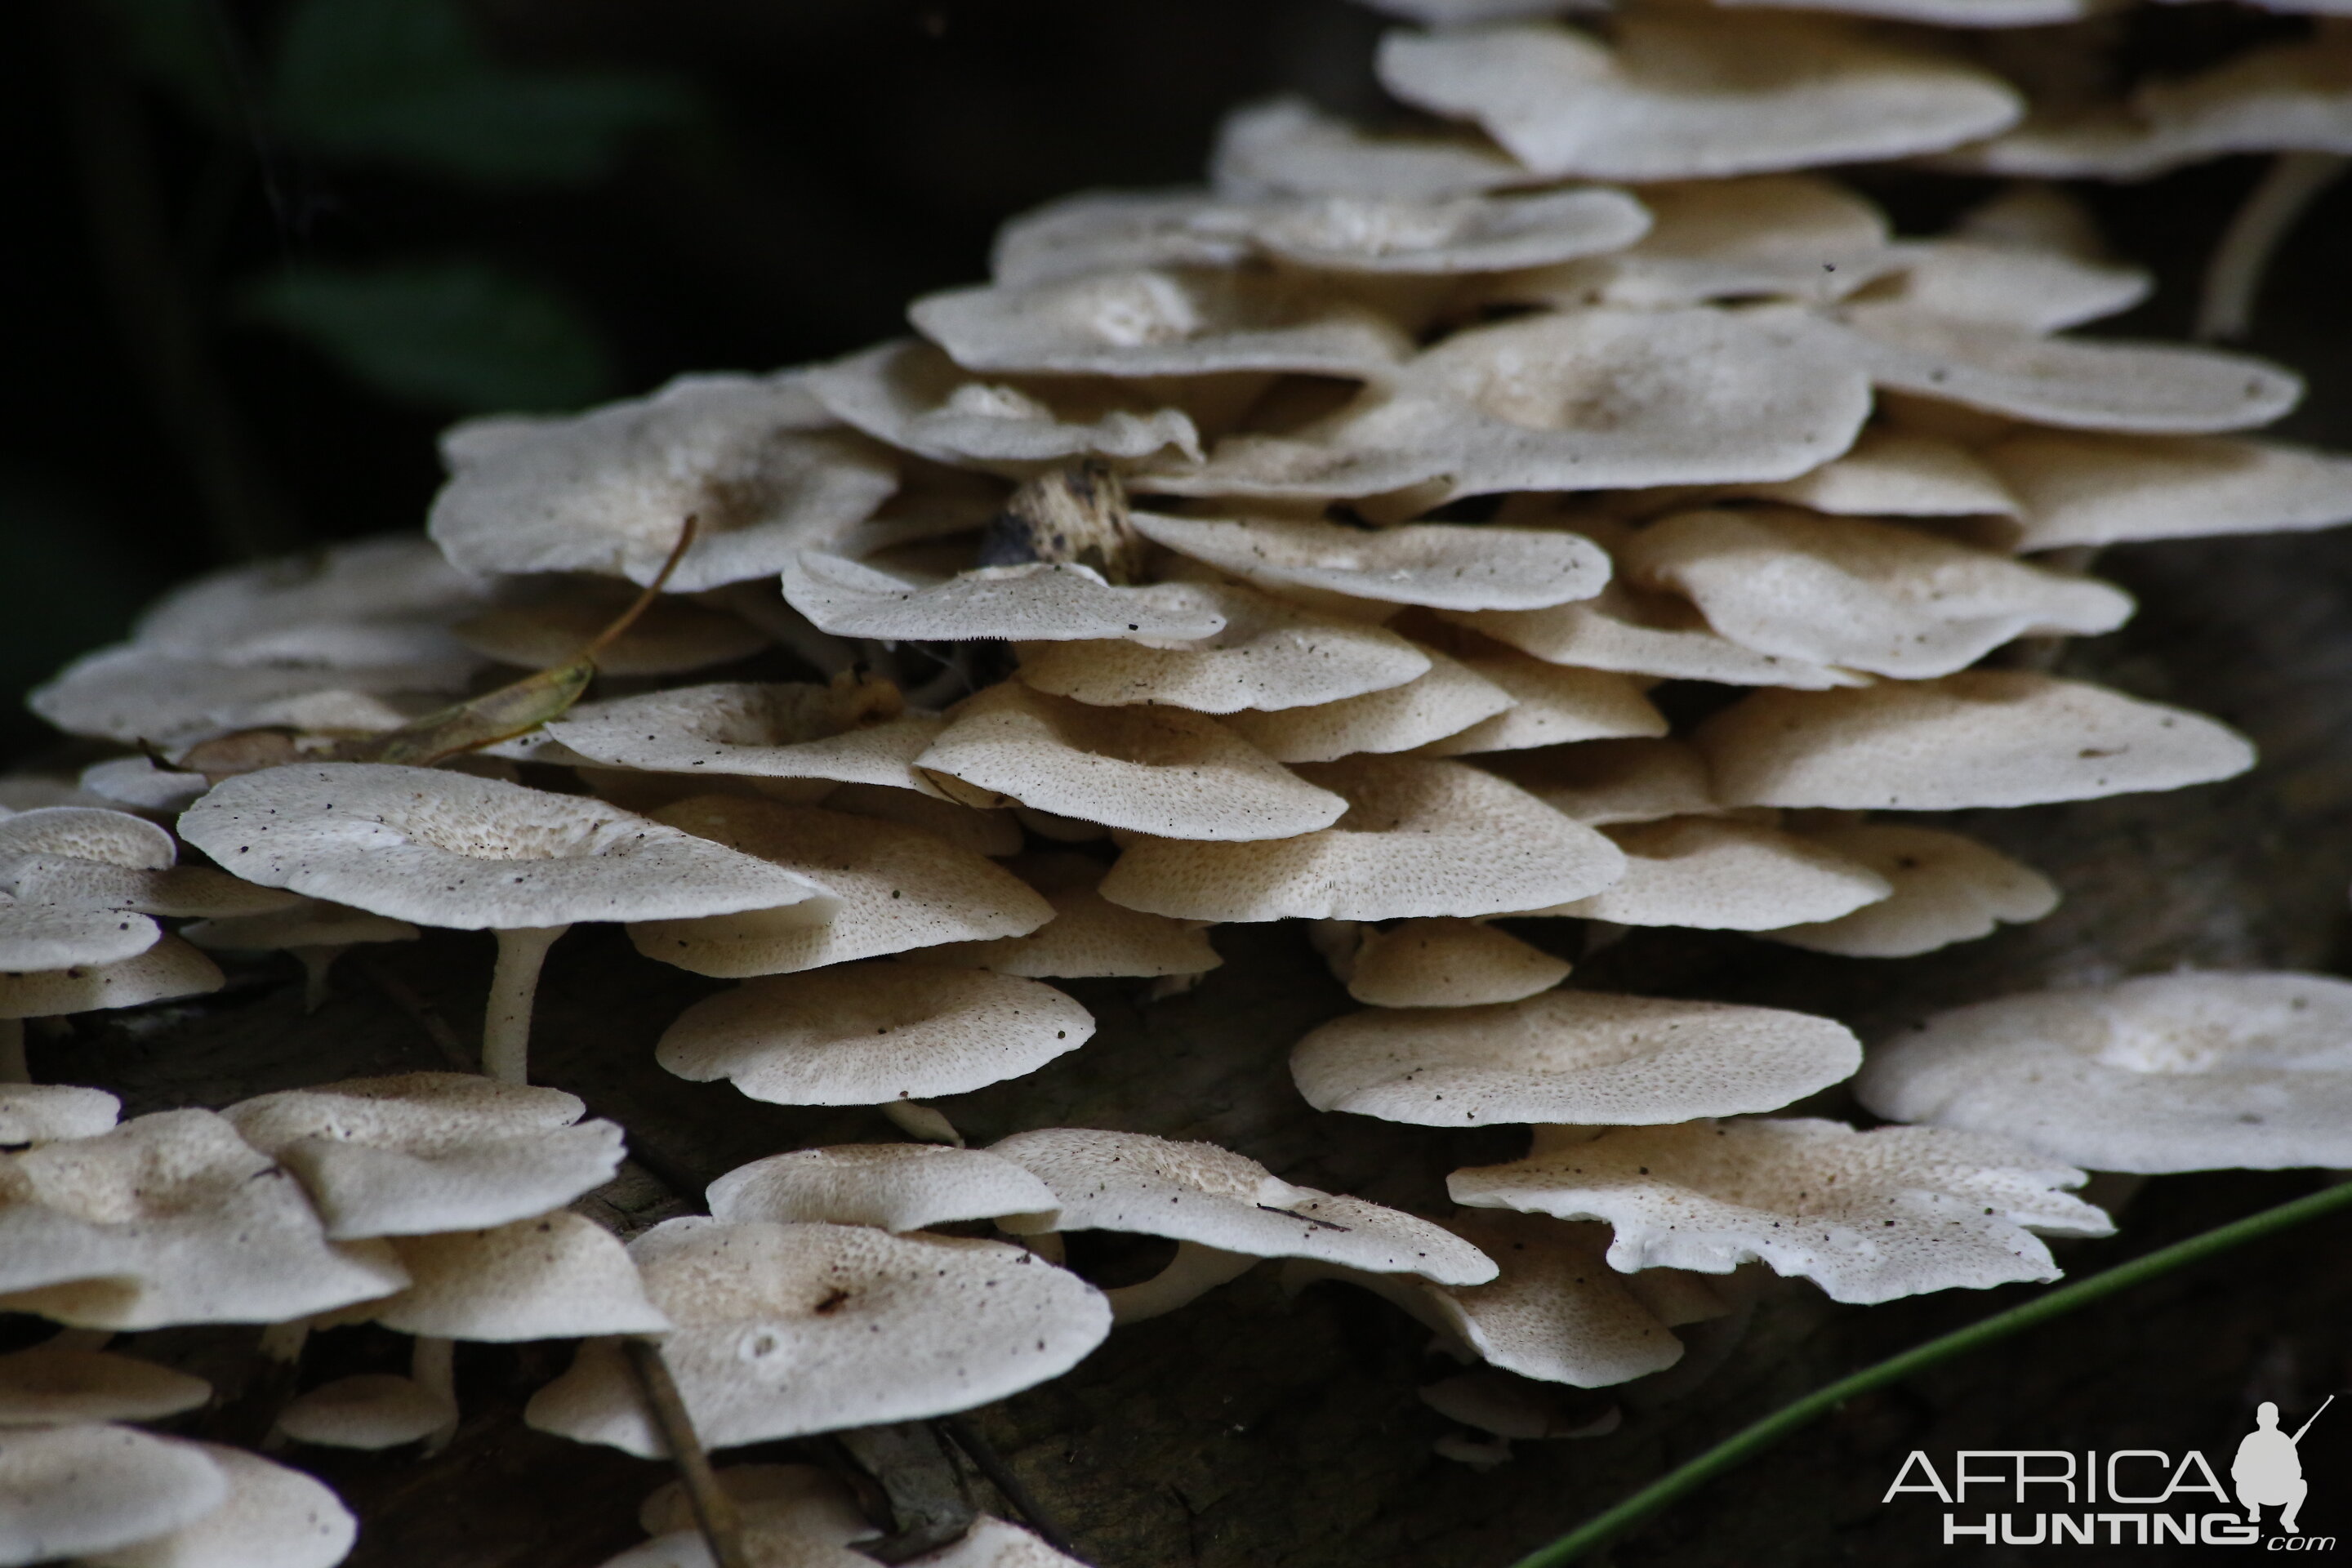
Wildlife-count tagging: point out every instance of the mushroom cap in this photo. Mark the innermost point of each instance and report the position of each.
(2191, 1072)
(982, 830)
(1145, 768)
(56, 1385)
(1896, 473)
(1287, 146)
(1640, 633)
(1420, 837)
(1557, 1311)
(39, 936)
(420, 1152)
(1552, 704)
(381, 601)
(1446, 963)
(882, 887)
(170, 1219)
(2079, 489)
(1979, 737)
(1719, 874)
(309, 922)
(1688, 96)
(1088, 936)
(896, 1187)
(786, 1329)
(1572, 1057)
(138, 782)
(1269, 654)
(1214, 1197)
(1602, 782)
(867, 1034)
(1867, 596)
(786, 729)
(1947, 889)
(129, 693)
(1407, 236)
(73, 1490)
(2037, 286)
(86, 832)
(550, 624)
(44, 1112)
(274, 1517)
(755, 461)
(66, 882)
(446, 848)
(1445, 565)
(1038, 602)
(169, 969)
(557, 1277)
(1449, 699)
(1868, 1217)
(369, 1411)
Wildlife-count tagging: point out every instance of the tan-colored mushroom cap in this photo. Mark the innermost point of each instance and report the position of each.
(1269, 654)
(550, 624)
(138, 782)
(444, 848)
(170, 969)
(79, 1489)
(130, 694)
(910, 395)
(786, 729)
(382, 601)
(273, 1517)
(1447, 699)
(1405, 236)
(557, 1277)
(420, 1152)
(58, 1385)
(1716, 873)
(1980, 738)
(369, 1411)
(898, 1187)
(1635, 632)
(1148, 768)
(993, 833)
(1147, 321)
(1893, 473)
(309, 922)
(1038, 602)
(1287, 146)
(1603, 781)
(1088, 936)
(881, 888)
(1570, 1056)
(1552, 704)
(45, 1112)
(1868, 1217)
(2197, 1070)
(1441, 963)
(756, 461)
(1947, 889)
(866, 1033)
(1445, 565)
(1420, 837)
(170, 1219)
(2081, 489)
(1867, 596)
(1685, 95)
(785, 1330)
(1213, 1197)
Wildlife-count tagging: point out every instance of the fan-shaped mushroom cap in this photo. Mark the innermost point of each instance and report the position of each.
(1718, 874)
(1088, 936)
(138, 782)
(2033, 286)
(381, 601)
(446, 848)
(756, 461)
(1445, 565)
(368, 1411)
(551, 626)
(1570, 1056)
(1038, 602)
(45, 1112)
(1420, 837)
(882, 887)
(1269, 654)
(1983, 737)
(1689, 96)
(129, 694)
(38, 935)
(787, 730)
(86, 832)
(1214, 1197)
(1166, 321)
(1894, 473)
(557, 1277)
(2193, 1071)
(1552, 704)
(1639, 633)
(2103, 490)
(56, 1385)
(1947, 889)
(1867, 596)
(1603, 781)
(1445, 963)
(169, 969)
(420, 1152)
(1147, 768)
(1868, 1217)
(79, 1489)
(71, 859)
(898, 1187)
(309, 922)
(170, 1219)
(785, 1330)
(867, 1034)
(274, 1517)
(1449, 699)
(1287, 146)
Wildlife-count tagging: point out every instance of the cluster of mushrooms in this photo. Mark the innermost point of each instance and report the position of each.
(1403, 533)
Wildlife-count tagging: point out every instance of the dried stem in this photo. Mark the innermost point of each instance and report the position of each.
(2234, 277)
(714, 1512)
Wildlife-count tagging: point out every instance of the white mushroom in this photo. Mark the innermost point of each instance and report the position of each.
(1440, 565)
(1604, 782)
(168, 970)
(315, 931)
(554, 1276)
(79, 1489)
(896, 1187)
(1641, 633)
(382, 601)
(273, 1517)
(1896, 473)
(1550, 705)
(1947, 889)
(131, 694)
(1287, 145)
(1448, 700)
(2082, 488)
(1088, 936)
(1717, 874)
(1436, 963)
(845, 733)
(1039, 601)
(45, 1112)
(57, 1384)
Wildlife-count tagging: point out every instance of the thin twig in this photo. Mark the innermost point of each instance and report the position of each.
(990, 1463)
(714, 1510)
(2235, 277)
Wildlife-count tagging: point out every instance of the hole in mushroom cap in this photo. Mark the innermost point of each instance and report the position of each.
(1109, 1259)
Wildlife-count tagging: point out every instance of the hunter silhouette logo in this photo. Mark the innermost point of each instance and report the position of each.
(2268, 1470)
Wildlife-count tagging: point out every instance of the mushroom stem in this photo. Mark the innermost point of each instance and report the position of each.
(316, 961)
(2234, 277)
(434, 1364)
(1194, 1271)
(506, 1025)
(714, 1513)
(13, 1067)
(283, 1343)
(922, 1123)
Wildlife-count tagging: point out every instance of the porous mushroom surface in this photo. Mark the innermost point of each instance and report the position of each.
(42, 1112)
(1037, 602)
(273, 1517)
(1891, 473)
(54, 1384)
(79, 884)
(1604, 782)
(416, 1154)
(1288, 145)
(1550, 705)
(867, 1034)
(1088, 936)
(1868, 1217)
(71, 1490)
(1947, 888)
(1979, 738)
(896, 1187)
(1582, 1057)
(1449, 699)
(131, 694)
(2081, 487)
(785, 1329)
(757, 462)
(1637, 632)
(382, 601)
(1716, 873)
(1420, 837)
(169, 969)
(170, 1219)
(1439, 962)
(881, 887)
(2192, 1072)
(1440, 565)
(556, 1276)
(782, 731)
